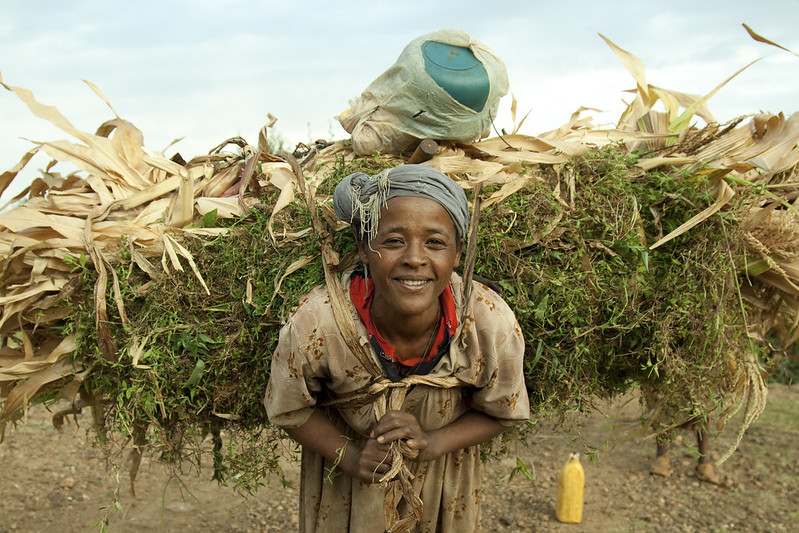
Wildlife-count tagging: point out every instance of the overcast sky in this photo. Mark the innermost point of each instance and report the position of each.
(207, 70)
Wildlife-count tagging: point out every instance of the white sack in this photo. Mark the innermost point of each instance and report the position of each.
(386, 118)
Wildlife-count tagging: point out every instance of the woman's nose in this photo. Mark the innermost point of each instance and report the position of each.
(415, 254)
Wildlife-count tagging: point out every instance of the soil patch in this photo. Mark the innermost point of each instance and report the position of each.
(55, 481)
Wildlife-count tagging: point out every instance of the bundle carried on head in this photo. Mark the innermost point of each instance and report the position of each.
(653, 258)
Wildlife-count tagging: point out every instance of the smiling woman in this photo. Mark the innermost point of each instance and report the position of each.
(436, 372)
(411, 260)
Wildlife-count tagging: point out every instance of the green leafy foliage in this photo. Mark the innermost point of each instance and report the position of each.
(570, 254)
(600, 312)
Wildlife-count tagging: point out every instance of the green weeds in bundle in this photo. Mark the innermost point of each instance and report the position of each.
(599, 312)
(570, 254)
(204, 358)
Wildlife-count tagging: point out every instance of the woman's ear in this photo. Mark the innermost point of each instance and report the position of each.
(459, 251)
(362, 246)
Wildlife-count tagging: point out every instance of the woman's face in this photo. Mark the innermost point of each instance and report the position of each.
(412, 256)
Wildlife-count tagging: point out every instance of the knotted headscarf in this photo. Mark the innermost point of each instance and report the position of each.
(359, 197)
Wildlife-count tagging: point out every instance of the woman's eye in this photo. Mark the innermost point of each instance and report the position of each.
(436, 243)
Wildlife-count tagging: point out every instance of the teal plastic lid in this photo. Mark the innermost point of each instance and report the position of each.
(456, 70)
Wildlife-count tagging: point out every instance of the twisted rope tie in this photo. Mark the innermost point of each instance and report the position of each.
(386, 395)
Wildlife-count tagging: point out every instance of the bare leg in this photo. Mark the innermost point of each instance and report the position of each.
(704, 466)
(662, 463)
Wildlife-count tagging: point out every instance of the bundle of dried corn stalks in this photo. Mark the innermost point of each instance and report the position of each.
(122, 190)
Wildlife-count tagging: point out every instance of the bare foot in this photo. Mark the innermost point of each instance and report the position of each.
(706, 472)
(661, 466)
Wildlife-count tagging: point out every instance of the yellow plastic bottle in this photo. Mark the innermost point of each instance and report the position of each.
(569, 504)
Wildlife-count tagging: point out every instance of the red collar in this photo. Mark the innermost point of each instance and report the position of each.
(362, 293)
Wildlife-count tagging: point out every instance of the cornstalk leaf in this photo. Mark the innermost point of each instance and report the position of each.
(762, 39)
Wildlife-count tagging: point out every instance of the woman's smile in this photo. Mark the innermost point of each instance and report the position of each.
(414, 282)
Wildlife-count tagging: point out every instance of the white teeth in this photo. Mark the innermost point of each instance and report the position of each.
(413, 283)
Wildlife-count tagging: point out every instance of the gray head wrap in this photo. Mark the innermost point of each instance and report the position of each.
(359, 197)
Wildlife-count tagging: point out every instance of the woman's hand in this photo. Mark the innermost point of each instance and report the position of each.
(319, 434)
(368, 464)
(399, 425)
(467, 430)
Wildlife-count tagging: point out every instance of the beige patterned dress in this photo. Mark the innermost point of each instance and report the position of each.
(312, 365)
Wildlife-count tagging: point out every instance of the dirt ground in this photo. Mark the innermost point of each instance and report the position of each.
(55, 481)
